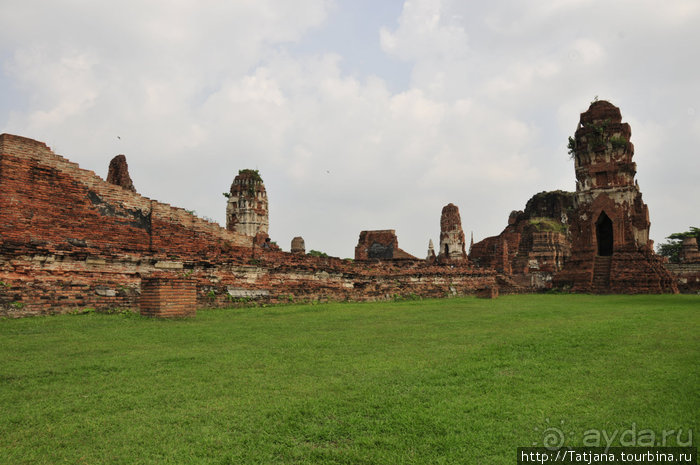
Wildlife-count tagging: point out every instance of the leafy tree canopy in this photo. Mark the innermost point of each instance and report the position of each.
(672, 247)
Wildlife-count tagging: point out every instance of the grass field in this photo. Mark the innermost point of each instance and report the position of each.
(429, 382)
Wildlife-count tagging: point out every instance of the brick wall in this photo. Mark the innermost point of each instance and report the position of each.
(49, 204)
(71, 241)
(40, 285)
(687, 275)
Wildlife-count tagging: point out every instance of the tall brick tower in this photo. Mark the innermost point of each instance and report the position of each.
(610, 247)
(452, 240)
(246, 211)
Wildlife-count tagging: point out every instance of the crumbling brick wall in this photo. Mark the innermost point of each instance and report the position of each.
(687, 276)
(71, 241)
(380, 245)
(50, 205)
(534, 241)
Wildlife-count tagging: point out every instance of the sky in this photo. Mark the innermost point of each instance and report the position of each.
(358, 114)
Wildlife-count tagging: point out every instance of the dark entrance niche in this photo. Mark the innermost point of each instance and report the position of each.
(380, 251)
(447, 250)
(604, 233)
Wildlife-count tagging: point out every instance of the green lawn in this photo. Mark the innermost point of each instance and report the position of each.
(430, 382)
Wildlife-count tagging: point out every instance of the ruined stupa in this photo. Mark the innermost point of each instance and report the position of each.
(431, 251)
(298, 246)
(609, 228)
(689, 251)
(452, 240)
(118, 173)
(380, 244)
(246, 211)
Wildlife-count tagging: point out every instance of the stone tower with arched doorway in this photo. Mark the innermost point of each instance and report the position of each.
(610, 247)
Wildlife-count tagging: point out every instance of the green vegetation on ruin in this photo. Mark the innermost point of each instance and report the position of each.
(449, 381)
(252, 174)
(317, 253)
(547, 224)
(618, 142)
(571, 147)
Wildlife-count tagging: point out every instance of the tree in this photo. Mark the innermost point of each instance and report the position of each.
(672, 247)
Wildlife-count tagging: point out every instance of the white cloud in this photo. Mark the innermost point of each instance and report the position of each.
(427, 31)
(198, 90)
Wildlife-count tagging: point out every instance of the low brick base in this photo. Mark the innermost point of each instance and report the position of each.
(168, 298)
(487, 293)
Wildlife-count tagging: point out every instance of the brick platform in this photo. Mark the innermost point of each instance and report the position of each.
(168, 297)
(487, 293)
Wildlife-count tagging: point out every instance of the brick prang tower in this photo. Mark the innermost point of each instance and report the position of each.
(246, 210)
(609, 229)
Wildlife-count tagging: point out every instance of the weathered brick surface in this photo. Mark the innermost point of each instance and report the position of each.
(247, 210)
(380, 245)
(487, 293)
(70, 241)
(50, 205)
(689, 251)
(273, 277)
(168, 297)
(609, 228)
(298, 245)
(687, 276)
(452, 241)
(118, 173)
(534, 241)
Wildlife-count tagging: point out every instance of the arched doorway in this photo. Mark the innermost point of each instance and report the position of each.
(604, 234)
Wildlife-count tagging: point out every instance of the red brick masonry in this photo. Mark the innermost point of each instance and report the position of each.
(69, 240)
(168, 297)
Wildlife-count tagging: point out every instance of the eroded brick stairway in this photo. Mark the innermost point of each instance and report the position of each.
(601, 274)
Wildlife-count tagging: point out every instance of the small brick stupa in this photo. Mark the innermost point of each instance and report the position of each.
(298, 246)
(610, 247)
(119, 173)
(689, 251)
(246, 211)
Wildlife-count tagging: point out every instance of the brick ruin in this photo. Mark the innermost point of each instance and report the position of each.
(431, 252)
(298, 246)
(595, 239)
(689, 251)
(246, 210)
(118, 173)
(534, 245)
(380, 245)
(609, 227)
(687, 271)
(71, 240)
(452, 241)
